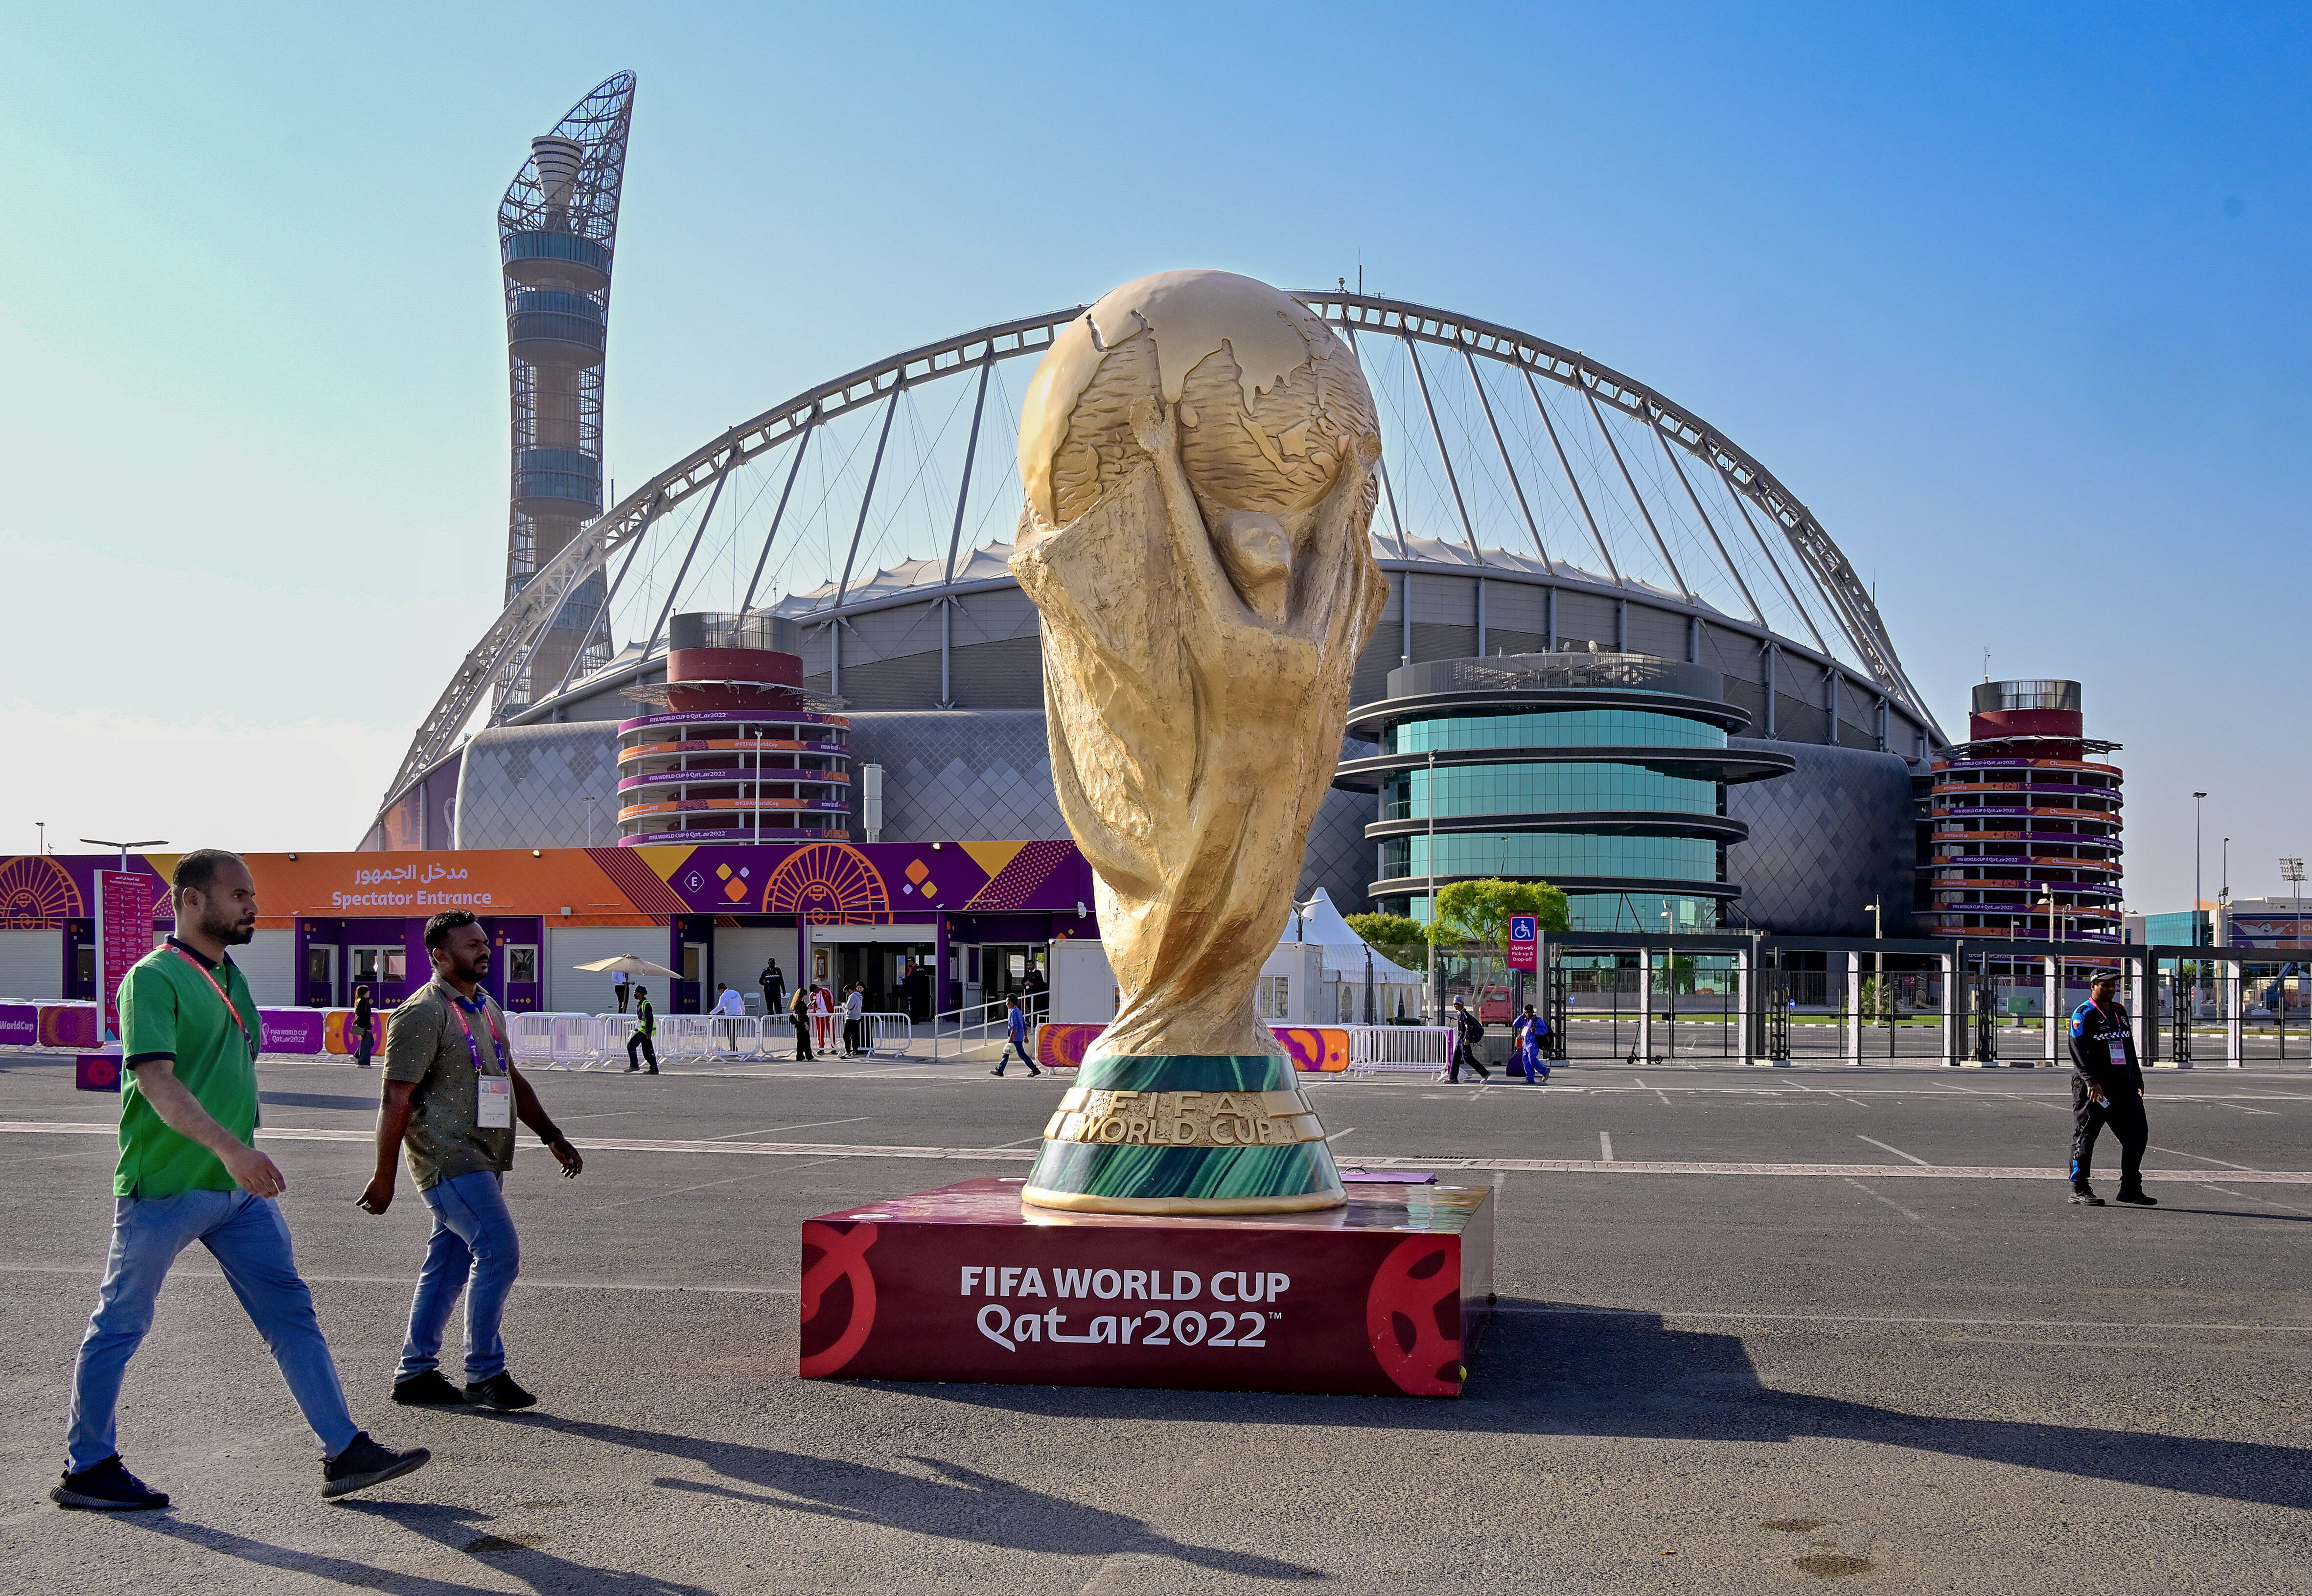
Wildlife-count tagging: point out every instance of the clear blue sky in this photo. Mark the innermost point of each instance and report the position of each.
(2014, 298)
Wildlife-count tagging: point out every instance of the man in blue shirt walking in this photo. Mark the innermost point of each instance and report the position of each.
(1015, 1031)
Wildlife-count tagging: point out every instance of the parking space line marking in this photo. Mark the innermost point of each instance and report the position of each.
(189, 1270)
(1605, 1147)
(2302, 1177)
(1899, 1209)
(2251, 1197)
(806, 1125)
(1898, 1152)
(1544, 1311)
(2202, 1157)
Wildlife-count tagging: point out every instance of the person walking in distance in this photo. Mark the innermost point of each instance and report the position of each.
(774, 985)
(1468, 1035)
(365, 1039)
(452, 1096)
(618, 980)
(188, 1172)
(799, 1012)
(854, 1024)
(643, 1041)
(2107, 1089)
(1527, 1031)
(822, 1026)
(730, 1008)
(1015, 1040)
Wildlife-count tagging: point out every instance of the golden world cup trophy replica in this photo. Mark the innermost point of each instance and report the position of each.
(1198, 451)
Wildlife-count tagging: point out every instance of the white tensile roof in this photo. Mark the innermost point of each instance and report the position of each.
(1344, 950)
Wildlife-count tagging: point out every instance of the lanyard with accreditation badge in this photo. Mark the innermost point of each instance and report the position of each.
(493, 1094)
(214, 986)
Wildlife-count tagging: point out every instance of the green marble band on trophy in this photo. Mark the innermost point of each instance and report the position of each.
(1199, 452)
(1185, 1134)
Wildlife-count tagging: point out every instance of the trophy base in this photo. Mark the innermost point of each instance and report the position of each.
(1185, 1135)
(1384, 1295)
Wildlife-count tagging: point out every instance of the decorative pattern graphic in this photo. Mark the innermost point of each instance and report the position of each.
(37, 895)
(1022, 876)
(1313, 1047)
(842, 1256)
(1404, 1311)
(828, 883)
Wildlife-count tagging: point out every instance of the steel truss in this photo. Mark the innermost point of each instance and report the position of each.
(503, 653)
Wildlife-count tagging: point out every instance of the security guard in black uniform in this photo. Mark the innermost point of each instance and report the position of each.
(2107, 1089)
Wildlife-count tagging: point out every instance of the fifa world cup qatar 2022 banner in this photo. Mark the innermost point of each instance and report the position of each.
(1385, 1297)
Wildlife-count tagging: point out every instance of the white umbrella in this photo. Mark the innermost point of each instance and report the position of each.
(631, 964)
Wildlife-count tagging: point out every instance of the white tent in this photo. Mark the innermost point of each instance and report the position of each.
(1344, 951)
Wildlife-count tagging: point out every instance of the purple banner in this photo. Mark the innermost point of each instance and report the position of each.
(291, 1030)
(20, 1025)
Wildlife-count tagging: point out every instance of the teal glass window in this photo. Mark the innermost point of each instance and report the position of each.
(1548, 854)
(1541, 788)
(1617, 912)
(1551, 728)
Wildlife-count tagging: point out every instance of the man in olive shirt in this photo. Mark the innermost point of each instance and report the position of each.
(451, 1093)
(189, 1171)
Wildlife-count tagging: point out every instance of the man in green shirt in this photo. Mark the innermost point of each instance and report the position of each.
(451, 1095)
(189, 1171)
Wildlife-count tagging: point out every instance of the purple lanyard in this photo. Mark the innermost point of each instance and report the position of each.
(498, 1044)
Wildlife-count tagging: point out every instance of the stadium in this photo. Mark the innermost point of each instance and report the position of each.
(1673, 693)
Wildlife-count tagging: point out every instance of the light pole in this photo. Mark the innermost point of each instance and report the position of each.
(2291, 871)
(2197, 798)
(1876, 912)
(44, 837)
(125, 847)
(1436, 998)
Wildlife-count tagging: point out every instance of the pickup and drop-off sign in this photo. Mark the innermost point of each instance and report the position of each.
(1525, 937)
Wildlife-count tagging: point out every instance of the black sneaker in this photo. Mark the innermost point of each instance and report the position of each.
(428, 1389)
(2136, 1200)
(107, 1488)
(499, 1392)
(365, 1464)
(2085, 1197)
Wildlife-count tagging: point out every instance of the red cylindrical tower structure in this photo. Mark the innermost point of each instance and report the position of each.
(738, 753)
(2027, 821)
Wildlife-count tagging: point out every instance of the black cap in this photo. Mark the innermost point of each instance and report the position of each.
(2103, 978)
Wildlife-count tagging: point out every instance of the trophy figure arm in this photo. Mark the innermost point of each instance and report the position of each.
(1343, 617)
(1155, 427)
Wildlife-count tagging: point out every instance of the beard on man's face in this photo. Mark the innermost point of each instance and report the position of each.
(471, 968)
(227, 926)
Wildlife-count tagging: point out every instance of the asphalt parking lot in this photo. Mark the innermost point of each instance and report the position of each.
(1761, 1329)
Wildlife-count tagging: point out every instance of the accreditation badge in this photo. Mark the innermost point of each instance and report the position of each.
(494, 1102)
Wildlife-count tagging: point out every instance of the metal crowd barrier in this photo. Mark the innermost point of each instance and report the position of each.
(1400, 1050)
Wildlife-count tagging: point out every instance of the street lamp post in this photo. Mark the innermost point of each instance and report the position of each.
(1436, 998)
(2197, 798)
(125, 847)
(1876, 912)
(2291, 871)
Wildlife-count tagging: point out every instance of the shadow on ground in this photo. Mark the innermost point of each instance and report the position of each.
(453, 1528)
(1557, 1369)
(958, 1503)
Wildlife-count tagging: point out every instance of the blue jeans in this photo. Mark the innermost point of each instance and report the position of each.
(249, 1240)
(1014, 1045)
(474, 1250)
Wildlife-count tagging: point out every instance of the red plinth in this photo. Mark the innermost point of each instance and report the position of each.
(1384, 1297)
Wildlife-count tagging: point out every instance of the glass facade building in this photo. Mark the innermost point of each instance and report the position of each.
(1603, 774)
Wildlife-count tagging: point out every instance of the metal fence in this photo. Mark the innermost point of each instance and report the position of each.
(1758, 999)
